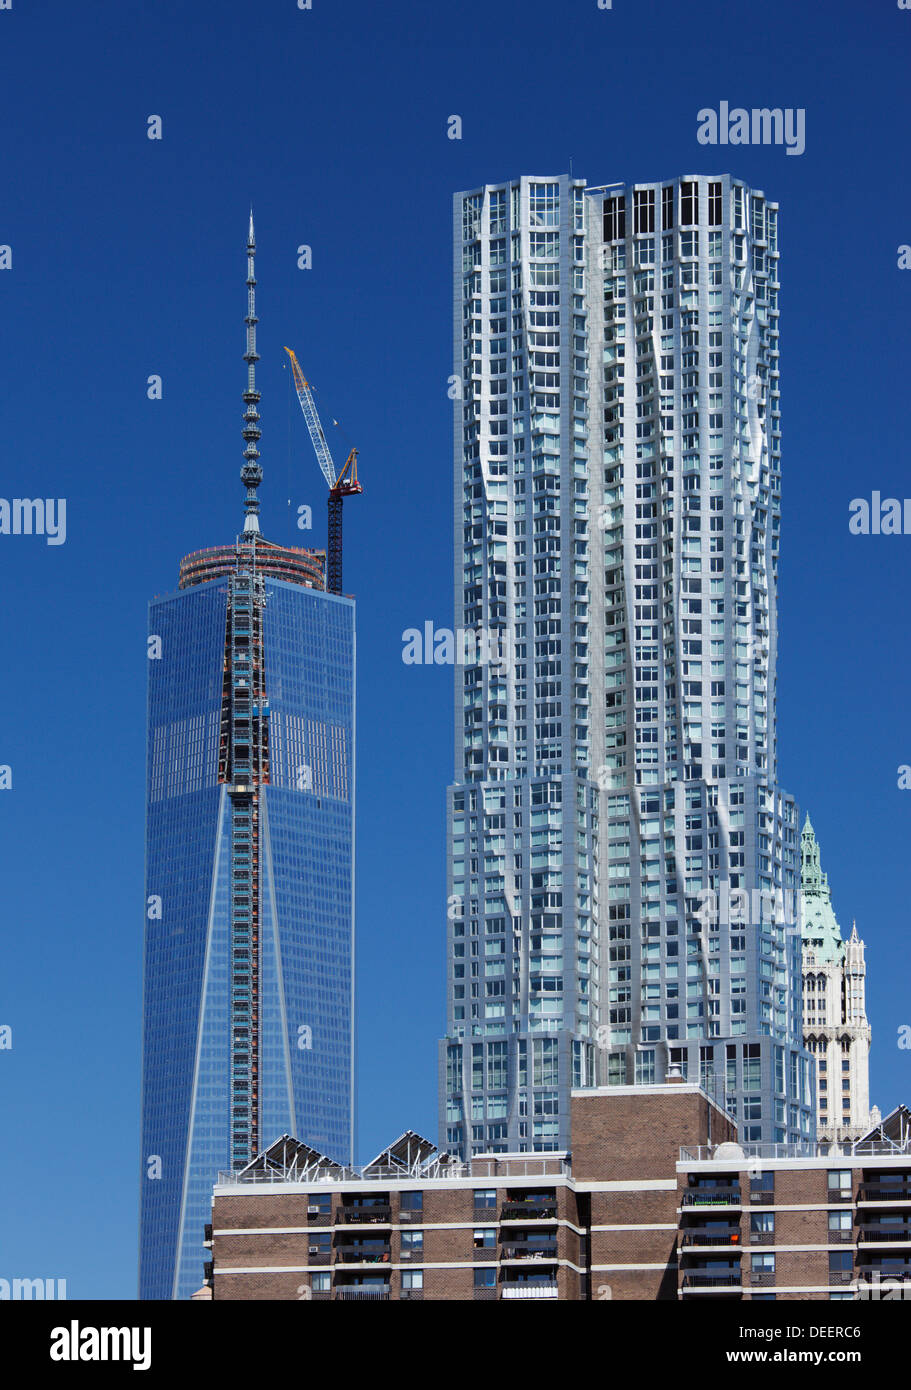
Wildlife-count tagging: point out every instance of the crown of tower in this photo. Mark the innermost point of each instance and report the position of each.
(812, 878)
(819, 924)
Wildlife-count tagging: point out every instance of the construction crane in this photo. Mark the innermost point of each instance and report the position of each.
(345, 485)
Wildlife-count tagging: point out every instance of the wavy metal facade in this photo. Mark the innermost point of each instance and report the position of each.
(617, 512)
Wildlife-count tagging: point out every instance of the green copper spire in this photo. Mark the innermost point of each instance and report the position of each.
(820, 928)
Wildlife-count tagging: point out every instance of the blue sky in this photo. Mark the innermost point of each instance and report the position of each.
(128, 260)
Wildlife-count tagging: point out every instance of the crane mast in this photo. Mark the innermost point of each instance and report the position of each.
(346, 484)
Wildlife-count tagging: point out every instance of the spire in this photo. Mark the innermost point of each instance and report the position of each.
(812, 879)
(251, 474)
(819, 924)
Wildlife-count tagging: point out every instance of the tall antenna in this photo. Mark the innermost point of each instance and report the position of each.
(251, 475)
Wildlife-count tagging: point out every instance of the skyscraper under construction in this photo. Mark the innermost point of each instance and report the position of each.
(248, 1028)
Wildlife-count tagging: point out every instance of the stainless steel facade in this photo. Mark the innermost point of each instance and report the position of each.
(623, 865)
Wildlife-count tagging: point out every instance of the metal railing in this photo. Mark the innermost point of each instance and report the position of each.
(884, 1192)
(712, 1281)
(531, 1211)
(693, 1238)
(377, 1214)
(528, 1250)
(712, 1197)
(494, 1166)
(873, 1149)
(528, 1291)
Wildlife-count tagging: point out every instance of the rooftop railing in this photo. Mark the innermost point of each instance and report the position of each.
(872, 1149)
(492, 1166)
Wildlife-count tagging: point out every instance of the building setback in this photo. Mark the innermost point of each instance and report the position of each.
(656, 1202)
(248, 973)
(623, 866)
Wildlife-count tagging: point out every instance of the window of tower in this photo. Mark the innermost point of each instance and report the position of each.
(614, 218)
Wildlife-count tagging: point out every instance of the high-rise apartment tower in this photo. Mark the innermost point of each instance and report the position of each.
(622, 863)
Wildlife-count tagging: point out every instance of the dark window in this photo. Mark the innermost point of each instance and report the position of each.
(412, 1201)
(644, 210)
(714, 204)
(689, 204)
(614, 219)
(485, 1278)
(667, 208)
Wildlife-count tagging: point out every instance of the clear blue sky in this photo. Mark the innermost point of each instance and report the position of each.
(128, 260)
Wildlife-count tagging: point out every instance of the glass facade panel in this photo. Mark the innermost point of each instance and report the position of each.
(248, 977)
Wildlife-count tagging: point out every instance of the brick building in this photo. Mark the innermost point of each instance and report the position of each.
(769, 1221)
(657, 1201)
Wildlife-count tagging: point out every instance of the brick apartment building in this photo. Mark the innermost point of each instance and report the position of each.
(657, 1201)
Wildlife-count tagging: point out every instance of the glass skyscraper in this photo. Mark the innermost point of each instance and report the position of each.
(623, 866)
(249, 951)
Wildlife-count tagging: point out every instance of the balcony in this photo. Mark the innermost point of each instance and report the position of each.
(529, 1211)
(702, 1279)
(712, 1197)
(528, 1250)
(352, 1253)
(696, 1238)
(379, 1213)
(883, 1235)
(372, 1295)
(879, 1191)
(545, 1290)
